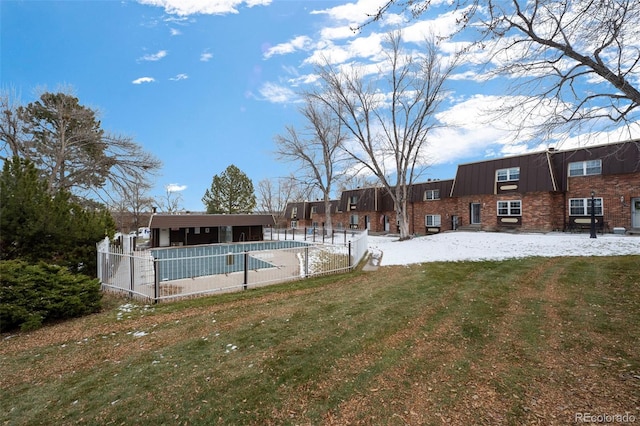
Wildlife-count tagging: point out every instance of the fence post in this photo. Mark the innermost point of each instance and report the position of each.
(132, 275)
(305, 233)
(306, 262)
(246, 269)
(350, 262)
(156, 279)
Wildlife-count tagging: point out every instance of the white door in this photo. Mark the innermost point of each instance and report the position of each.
(635, 212)
(164, 237)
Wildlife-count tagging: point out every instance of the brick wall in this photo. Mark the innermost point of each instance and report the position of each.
(616, 192)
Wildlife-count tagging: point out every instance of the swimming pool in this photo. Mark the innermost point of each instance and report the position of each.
(195, 261)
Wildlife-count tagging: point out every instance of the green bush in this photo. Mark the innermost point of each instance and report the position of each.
(31, 295)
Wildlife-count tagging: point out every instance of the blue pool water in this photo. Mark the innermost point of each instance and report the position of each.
(195, 261)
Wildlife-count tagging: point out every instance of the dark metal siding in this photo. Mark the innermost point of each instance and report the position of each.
(418, 189)
(365, 202)
(301, 213)
(191, 221)
(617, 158)
(480, 178)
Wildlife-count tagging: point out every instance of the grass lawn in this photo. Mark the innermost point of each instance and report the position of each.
(530, 341)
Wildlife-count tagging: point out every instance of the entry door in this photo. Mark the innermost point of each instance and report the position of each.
(386, 223)
(475, 213)
(635, 212)
(164, 237)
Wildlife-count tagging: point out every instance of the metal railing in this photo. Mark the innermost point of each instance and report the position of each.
(179, 272)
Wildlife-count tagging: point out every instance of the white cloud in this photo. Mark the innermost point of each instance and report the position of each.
(206, 56)
(354, 13)
(369, 47)
(276, 93)
(175, 32)
(205, 7)
(179, 77)
(143, 80)
(298, 43)
(443, 25)
(336, 33)
(154, 56)
(174, 187)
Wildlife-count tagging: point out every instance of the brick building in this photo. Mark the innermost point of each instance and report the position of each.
(542, 191)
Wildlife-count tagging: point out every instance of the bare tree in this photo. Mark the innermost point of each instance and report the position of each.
(576, 63)
(170, 202)
(389, 119)
(11, 125)
(317, 148)
(134, 202)
(580, 61)
(66, 142)
(274, 194)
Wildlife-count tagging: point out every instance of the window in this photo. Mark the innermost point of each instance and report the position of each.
(582, 206)
(294, 224)
(294, 212)
(353, 221)
(352, 202)
(504, 175)
(432, 194)
(585, 168)
(510, 208)
(432, 220)
(314, 209)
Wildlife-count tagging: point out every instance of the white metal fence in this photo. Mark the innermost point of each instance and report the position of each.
(178, 272)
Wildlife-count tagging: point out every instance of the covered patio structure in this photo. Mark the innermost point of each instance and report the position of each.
(193, 229)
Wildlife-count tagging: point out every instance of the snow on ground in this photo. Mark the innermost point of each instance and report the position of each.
(459, 245)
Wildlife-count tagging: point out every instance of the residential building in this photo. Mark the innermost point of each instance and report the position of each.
(543, 191)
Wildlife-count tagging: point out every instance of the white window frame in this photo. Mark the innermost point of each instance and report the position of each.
(294, 212)
(294, 224)
(584, 209)
(434, 220)
(585, 168)
(510, 175)
(314, 209)
(513, 207)
(431, 194)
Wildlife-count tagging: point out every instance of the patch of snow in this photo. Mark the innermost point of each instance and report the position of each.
(478, 246)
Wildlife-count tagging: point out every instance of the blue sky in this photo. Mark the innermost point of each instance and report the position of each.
(206, 84)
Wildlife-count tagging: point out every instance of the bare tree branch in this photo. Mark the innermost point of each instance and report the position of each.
(390, 120)
(316, 149)
(575, 64)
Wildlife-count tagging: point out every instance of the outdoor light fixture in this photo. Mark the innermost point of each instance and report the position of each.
(593, 215)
